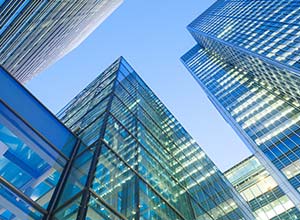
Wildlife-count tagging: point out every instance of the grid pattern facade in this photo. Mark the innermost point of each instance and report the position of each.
(267, 120)
(140, 162)
(263, 194)
(260, 36)
(35, 34)
(35, 150)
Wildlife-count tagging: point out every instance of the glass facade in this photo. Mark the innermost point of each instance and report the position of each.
(247, 61)
(34, 151)
(139, 163)
(35, 34)
(126, 157)
(263, 194)
(261, 37)
(266, 119)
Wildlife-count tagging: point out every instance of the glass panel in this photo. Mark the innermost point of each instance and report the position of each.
(69, 212)
(118, 185)
(115, 183)
(292, 169)
(78, 175)
(13, 207)
(92, 133)
(155, 172)
(98, 211)
(152, 207)
(26, 161)
(16, 96)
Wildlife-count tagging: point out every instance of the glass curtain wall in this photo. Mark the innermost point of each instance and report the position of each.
(34, 34)
(140, 163)
(34, 150)
(263, 194)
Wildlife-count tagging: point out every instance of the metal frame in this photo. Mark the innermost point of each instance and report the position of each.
(22, 195)
(86, 192)
(62, 182)
(286, 186)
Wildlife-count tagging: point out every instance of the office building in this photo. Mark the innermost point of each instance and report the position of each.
(263, 194)
(260, 37)
(127, 157)
(140, 162)
(36, 34)
(246, 61)
(265, 119)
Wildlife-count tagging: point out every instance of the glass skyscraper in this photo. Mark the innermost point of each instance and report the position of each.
(35, 34)
(263, 194)
(124, 157)
(140, 162)
(261, 37)
(246, 60)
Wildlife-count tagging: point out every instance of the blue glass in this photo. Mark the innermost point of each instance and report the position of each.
(2, 2)
(247, 62)
(34, 35)
(14, 16)
(265, 118)
(31, 163)
(42, 120)
(16, 207)
(144, 163)
(261, 191)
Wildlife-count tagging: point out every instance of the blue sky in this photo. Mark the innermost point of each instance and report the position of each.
(152, 36)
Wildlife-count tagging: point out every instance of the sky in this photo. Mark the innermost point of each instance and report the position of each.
(152, 36)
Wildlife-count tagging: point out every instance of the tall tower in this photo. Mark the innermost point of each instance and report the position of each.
(139, 162)
(127, 157)
(260, 37)
(36, 34)
(247, 61)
